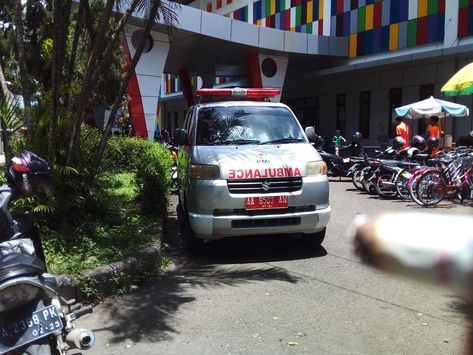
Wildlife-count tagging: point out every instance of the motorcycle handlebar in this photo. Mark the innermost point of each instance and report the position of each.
(83, 311)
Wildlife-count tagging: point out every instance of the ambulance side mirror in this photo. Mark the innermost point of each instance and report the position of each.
(180, 137)
(310, 133)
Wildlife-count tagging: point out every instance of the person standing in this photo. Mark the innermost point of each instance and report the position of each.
(338, 140)
(433, 129)
(402, 129)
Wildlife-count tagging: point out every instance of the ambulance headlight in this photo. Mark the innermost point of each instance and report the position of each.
(315, 168)
(204, 172)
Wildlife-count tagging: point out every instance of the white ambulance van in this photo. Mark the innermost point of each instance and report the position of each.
(246, 167)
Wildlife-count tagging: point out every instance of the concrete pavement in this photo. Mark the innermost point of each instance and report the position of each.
(273, 295)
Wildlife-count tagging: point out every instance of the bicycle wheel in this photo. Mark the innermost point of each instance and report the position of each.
(431, 188)
(401, 184)
(412, 186)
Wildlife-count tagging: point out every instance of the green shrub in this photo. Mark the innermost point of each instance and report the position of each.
(152, 164)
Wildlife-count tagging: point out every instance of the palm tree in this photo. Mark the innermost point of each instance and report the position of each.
(87, 82)
(97, 60)
(10, 121)
(154, 11)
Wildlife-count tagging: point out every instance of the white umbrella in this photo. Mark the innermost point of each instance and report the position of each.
(432, 107)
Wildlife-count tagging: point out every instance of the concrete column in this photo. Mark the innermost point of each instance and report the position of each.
(451, 23)
(275, 81)
(149, 74)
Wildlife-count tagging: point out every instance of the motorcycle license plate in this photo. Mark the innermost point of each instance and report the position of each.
(266, 202)
(27, 329)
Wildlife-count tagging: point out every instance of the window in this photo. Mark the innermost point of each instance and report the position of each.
(395, 100)
(365, 103)
(341, 112)
(247, 125)
(306, 111)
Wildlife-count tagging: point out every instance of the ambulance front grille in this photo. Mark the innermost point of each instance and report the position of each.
(254, 186)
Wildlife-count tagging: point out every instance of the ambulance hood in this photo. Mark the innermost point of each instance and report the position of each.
(257, 161)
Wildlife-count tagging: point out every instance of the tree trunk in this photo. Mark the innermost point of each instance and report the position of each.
(117, 32)
(3, 83)
(75, 41)
(24, 77)
(55, 77)
(88, 22)
(124, 86)
(87, 82)
(61, 13)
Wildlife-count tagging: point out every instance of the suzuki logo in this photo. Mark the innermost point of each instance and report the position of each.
(265, 185)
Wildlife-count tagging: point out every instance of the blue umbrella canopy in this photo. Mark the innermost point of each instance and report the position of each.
(432, 107)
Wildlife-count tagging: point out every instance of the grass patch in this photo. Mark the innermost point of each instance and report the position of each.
(117, 231)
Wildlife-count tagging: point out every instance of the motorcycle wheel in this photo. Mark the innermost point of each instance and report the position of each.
(356, 179)
(368, 185)
(382, 190)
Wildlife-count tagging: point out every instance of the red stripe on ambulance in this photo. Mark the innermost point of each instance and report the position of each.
(263, 173)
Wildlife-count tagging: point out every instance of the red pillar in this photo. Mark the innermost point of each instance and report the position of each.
(136, 105)
(253, 70)
(186, 87)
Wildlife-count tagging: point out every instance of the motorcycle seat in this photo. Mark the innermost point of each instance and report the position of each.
(18, 264)
(399, 163)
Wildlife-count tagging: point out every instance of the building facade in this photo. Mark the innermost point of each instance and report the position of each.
(341, 64)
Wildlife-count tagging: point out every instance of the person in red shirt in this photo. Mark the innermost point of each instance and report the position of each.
(433, 129)
(402, 129)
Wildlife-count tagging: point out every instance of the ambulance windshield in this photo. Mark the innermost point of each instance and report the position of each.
(220, 125)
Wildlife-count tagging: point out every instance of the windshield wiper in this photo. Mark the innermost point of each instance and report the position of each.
(284, 140)
(237, 141)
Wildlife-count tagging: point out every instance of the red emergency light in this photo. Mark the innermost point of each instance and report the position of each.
(239, 92)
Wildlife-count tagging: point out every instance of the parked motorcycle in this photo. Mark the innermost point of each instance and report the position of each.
(34, 319)
(382, 177)
(336, 165)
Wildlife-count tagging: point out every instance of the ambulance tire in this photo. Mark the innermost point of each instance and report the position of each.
(191, 243)
(314, 239)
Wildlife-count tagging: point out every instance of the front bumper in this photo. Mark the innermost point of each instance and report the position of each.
(215, 213)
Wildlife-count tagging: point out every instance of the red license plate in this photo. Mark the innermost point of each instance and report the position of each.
(265, 202)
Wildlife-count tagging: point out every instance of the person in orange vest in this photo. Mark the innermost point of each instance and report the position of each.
(433, 129)
(402, 129)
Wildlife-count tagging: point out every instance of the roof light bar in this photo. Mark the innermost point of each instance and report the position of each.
(240, 92)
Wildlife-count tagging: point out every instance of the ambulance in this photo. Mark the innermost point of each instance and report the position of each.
(246, 167)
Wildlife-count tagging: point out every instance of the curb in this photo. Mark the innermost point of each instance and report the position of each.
(105, 276)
